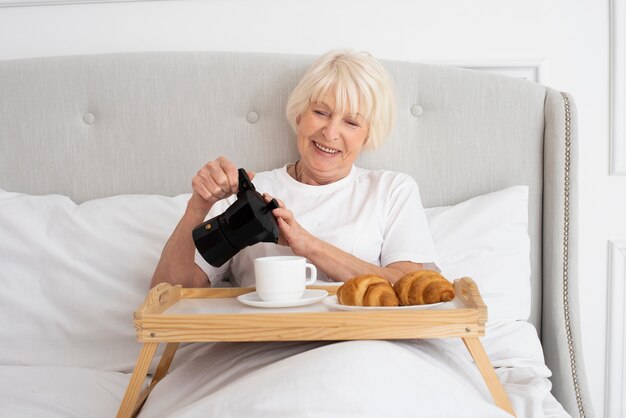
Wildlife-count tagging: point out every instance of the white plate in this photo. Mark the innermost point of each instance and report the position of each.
(309, 297)
(331, 301)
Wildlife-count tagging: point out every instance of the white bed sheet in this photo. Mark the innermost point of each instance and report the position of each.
(429, 378)
(60, 392)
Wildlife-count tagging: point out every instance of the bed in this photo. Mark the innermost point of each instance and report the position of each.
(96, 157)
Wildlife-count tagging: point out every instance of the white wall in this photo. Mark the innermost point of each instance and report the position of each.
(569, 37)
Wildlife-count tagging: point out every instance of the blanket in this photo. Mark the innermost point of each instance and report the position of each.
(408, 378)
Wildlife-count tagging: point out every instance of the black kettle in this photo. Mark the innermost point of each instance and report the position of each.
(247, 221)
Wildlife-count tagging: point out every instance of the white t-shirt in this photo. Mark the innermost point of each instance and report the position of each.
(376, 216)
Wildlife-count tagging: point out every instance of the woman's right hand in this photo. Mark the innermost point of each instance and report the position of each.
(216, 180)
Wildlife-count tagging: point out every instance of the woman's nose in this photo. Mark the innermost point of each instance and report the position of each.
(331, 130)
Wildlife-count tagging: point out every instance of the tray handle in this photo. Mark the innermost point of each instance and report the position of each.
(160, 297)
(466, 289)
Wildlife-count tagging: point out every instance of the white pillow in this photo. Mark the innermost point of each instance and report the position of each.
(72, 275)
(486, 238)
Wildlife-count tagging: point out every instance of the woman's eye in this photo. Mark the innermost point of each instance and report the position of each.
(319, 112)
(352, 123)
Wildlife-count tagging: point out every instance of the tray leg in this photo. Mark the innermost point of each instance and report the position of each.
(164, 364)
(161, 371)
(136, 381)
(489, 375)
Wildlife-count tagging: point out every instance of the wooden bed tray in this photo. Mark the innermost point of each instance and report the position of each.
(154, 326)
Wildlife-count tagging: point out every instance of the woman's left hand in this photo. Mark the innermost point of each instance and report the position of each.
(292, 234)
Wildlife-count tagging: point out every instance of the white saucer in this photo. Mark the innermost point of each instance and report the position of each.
(331, 301)
(326, 283)
(310, 296)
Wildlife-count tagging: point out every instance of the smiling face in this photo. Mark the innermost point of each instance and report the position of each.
(329, 141)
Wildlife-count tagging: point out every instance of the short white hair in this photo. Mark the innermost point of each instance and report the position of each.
(360, 85)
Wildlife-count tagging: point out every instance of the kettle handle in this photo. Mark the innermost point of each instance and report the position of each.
(245, 183)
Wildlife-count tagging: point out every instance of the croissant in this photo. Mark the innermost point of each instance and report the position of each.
(368, 290)
(423, 287)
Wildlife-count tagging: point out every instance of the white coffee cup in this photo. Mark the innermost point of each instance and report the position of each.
(282, 277)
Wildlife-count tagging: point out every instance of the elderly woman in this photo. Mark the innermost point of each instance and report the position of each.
(346, 220)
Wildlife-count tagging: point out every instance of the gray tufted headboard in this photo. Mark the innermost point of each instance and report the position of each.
(95, 126)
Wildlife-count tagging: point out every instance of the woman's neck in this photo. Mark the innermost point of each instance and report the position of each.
(299, 172)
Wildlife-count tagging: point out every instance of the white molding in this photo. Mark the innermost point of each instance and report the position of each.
(615, 385)
(618, 88)
(24, 3)
(527, 73)
(528, 69)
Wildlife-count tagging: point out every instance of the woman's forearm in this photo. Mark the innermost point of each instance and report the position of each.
(341, 266)
(177, 264)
